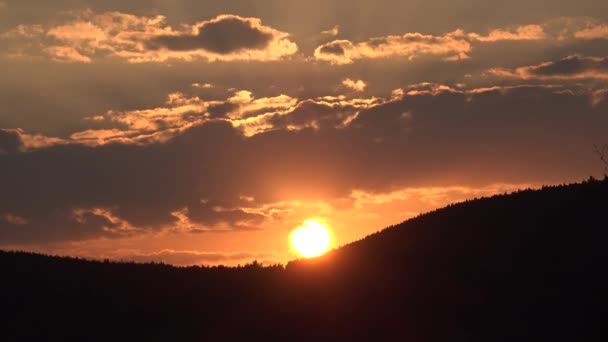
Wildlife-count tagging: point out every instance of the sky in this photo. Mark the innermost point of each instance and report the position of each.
(203, 132)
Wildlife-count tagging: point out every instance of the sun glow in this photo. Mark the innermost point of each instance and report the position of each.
(311, 239)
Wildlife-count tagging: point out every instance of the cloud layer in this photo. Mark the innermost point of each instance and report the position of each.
(149, 39)
(221, 174)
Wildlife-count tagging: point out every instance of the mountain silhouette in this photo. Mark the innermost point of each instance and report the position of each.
(527, 266)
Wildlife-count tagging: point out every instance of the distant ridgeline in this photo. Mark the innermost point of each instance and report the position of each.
(529, 266)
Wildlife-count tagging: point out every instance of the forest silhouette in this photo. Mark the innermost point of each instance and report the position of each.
(527, 266)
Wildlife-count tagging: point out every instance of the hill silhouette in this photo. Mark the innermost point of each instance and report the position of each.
(528, 266)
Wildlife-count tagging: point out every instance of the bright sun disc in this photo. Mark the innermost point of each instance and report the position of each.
(311, 239)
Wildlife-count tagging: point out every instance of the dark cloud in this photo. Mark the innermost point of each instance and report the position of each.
(225, 35)
(196, 180)
(571, 67)
(333, 48)
(221, 110)
(315, 114)
(10, 141)
(210, 214)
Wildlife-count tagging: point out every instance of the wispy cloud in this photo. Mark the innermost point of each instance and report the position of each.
(574, 67)
(334, 31)
(411, 45)
(527, 32)
(599, 31)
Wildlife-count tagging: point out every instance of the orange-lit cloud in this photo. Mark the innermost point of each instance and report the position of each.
(327, 111)
(202, 137)
(358, 85)
(599, 31)
(139, 39)
(66, 54)
(334, 31)
(410, 45)
(527, 32)
(573, 67)
(13, 219)
(599, 96)
(265, 163)
(113, 224)
(203, 85)
(16, 140)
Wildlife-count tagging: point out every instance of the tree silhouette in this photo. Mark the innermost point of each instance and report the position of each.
(528, 266)
(602, 153)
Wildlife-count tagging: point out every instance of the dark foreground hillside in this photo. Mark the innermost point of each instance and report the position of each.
(530, 266)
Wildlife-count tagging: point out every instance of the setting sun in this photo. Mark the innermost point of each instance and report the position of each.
(311, 239)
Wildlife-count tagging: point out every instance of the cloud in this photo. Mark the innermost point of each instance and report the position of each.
(410, 45)
(324, 112)
(459, 44)
(13, 219)
(323, 148)
(434, 196)
(10, 141)
(139, 39)
(599, 31)
(358, 85)
(113, 224)
(527, 32)
(66, 54)
(17, 140)
(599, 96)
(161, 123)
(223, 35)
(334, 31)
(573, 67)
(203, 85)
(21, 30)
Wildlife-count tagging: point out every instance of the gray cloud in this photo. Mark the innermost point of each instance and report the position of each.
(10, 141)
(571, 67)
(429, 135)
(226, 35)
(333, 48)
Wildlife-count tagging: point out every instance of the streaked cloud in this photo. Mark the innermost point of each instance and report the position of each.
(411, 45)
(574, 67)
(599, 31)
(334, 31)
(66, 54)
(13, 219)
(202, 85)
(527, 32)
